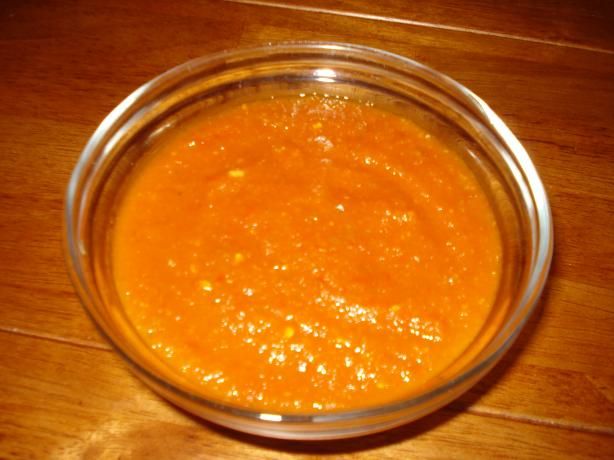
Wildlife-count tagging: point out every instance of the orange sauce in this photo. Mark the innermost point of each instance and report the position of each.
(302, 254)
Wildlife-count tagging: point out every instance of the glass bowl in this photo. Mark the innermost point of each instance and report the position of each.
(448, 110)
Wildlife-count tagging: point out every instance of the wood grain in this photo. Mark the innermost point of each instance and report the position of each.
(48, 413)
(66, 64)
(585, 24)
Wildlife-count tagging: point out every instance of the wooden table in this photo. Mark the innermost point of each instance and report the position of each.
(547, 69)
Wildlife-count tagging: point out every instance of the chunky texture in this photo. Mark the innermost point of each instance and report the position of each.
(305, 253)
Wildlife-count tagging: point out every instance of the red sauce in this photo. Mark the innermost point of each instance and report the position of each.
(303, 254)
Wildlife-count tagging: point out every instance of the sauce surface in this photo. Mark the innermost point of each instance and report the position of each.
(305, 254)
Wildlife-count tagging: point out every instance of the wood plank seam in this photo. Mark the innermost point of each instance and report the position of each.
(540, 421)
(56, 338)
(431, 25)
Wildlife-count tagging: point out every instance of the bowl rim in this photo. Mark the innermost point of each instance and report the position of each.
(541, 260)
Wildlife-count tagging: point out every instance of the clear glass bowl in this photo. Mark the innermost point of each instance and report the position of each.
(447, 109)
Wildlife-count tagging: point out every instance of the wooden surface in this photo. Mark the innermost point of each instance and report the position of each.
(546, 67)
